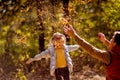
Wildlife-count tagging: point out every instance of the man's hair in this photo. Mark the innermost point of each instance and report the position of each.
(117, 37)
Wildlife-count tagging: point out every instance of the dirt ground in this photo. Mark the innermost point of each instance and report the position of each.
(82, 75)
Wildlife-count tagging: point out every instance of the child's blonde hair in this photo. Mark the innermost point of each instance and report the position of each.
(57, 36)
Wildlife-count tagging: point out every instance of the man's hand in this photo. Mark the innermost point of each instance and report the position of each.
(101, 37)
(68, 29)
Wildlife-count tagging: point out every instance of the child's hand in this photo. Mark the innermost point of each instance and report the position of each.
(70, 70)
(29, 61)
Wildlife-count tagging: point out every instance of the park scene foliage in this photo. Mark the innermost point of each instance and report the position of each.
(26, 27)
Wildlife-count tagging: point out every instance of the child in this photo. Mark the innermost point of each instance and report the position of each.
(60, 61)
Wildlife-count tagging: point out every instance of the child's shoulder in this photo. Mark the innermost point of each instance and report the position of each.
(67, 45)
(72, 46)
(51, 47)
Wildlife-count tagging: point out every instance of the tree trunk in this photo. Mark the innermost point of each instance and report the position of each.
(40, 24)
(41, 28)
(66, 16)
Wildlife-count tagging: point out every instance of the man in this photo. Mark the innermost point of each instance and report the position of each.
(110, 57)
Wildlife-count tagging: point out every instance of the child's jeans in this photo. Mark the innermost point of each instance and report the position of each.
(62, 73)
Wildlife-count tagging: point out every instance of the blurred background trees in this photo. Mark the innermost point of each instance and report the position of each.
(26, 27)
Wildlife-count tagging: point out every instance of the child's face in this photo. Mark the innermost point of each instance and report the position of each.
(59, 42)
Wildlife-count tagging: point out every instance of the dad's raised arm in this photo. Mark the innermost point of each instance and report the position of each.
(101, 55)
